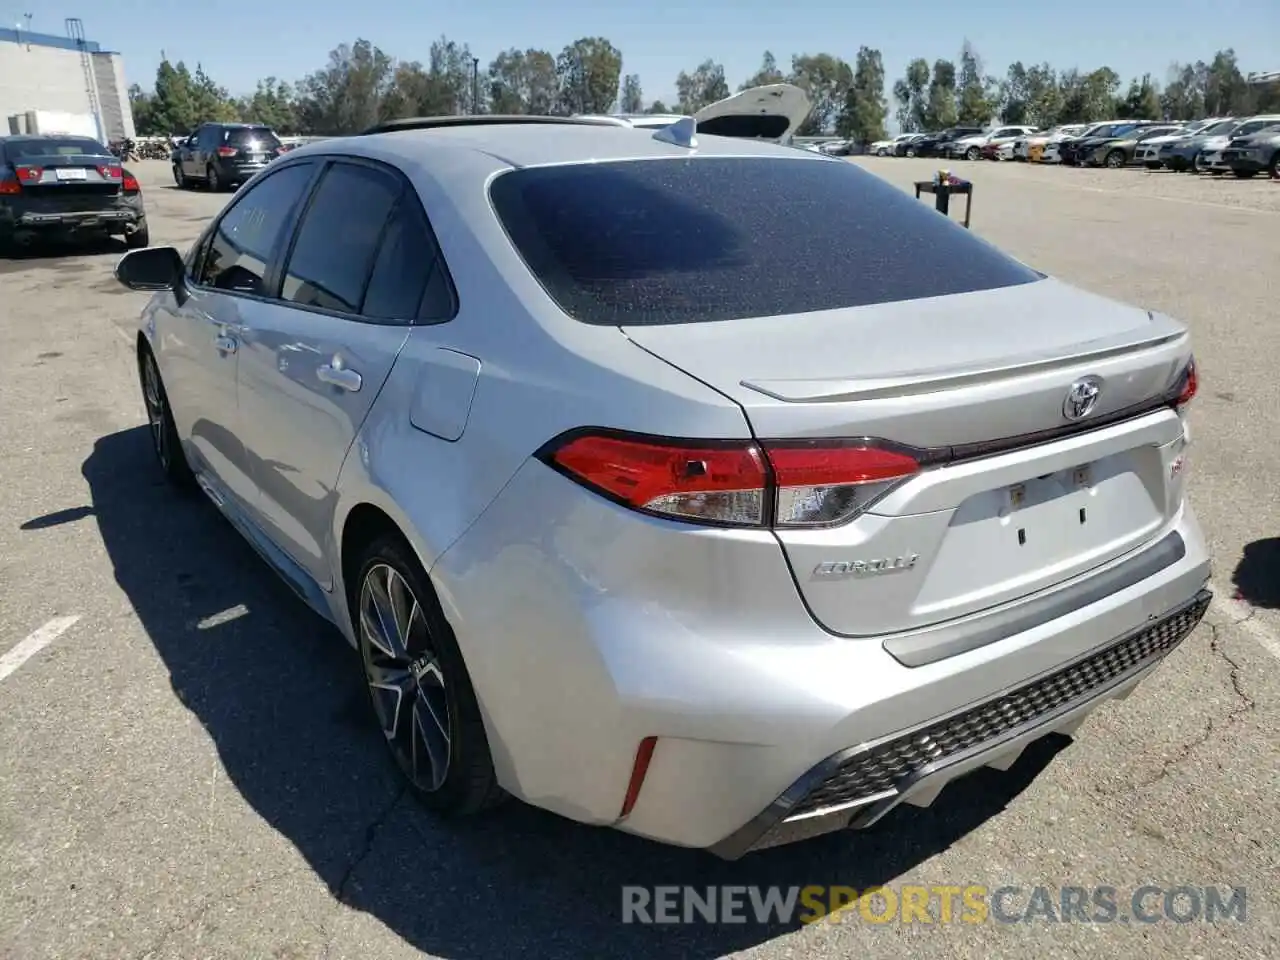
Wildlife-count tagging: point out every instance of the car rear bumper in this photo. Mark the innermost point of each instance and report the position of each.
(240, 171)
(16, 220)
(611, 628)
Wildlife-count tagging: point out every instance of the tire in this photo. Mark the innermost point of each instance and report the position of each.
(1274, 168)
(165, 443)
(139, 238)
(418, 685)
(882, 152)
(911, 151)
(1114, 160)
(179, 178)
(973, 153)
(211, 178)
(1245, 174)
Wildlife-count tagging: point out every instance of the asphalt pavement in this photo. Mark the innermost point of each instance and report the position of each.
(189, 769)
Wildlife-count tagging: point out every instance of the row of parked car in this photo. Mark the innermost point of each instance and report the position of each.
(1245, 146)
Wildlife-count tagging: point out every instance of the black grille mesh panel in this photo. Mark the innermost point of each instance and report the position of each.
(891, 763)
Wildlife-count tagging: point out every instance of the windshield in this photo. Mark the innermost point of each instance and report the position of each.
(54, 147)
(241, 136)
(1219, 129)
(670, 241)
(1253, 126)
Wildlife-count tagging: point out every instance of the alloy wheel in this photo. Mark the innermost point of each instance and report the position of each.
(405, 676)
(154, 400)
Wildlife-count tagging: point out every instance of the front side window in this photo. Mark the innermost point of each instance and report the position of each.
(704, 239)
(248, 233)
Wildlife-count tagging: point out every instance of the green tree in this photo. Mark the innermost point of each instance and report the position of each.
(142, 108)
(826, 79)
(658, 107)
(865, 108)
(1015, 95)
(211, 102)
(941, 109)
(911, 94)
(1044, 96)
(767, 74)
(522, 82)
(973, 104)
(631, 100)
(1141, 101)
(589, 70)
(271, 103)
(347, 95)
(173, 108)
(704, 86)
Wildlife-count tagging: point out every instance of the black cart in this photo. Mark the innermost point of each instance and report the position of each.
(943, 191)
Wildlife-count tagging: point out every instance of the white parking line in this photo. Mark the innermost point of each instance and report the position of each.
(34, 643)
(1243, 616)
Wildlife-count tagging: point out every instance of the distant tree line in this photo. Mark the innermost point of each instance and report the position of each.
(361, 85)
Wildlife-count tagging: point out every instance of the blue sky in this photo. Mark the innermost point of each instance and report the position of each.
(658, 38)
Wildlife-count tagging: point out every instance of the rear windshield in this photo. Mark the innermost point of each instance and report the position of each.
(54, 147)
(239, 136)
(704, 239)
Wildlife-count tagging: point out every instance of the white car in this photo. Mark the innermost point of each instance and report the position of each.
(1022, 149)
(769, 112)
(970, 148)
(1209, 159)
(884, 148)
(1147, 152)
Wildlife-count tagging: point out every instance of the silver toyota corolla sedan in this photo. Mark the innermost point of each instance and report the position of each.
(696, 486)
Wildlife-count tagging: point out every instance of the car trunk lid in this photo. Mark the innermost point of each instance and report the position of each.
(54, 182)
(1013, 495)
(769, 112)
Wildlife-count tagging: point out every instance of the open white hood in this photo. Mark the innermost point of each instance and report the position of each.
(770, 112)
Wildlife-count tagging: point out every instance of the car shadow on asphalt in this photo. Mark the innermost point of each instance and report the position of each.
(278, 691)
(48, 251)
(1257, 575)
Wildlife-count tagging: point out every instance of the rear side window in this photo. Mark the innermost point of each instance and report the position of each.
(339, 237)
(704, 239)
(17, 150)
(242, 136)
(408, 279)
(246, 236)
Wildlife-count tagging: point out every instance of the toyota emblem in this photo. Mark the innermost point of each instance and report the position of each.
(1081, 398)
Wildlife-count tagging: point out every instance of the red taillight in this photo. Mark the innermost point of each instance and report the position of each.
(10, 187)
(722, 483)
(819, 482)
(227, 151)
(1188, 384)
(738, 483)
(111, 171)
(130, 184)
(29, 174)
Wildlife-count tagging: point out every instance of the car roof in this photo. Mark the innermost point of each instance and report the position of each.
(539, 144)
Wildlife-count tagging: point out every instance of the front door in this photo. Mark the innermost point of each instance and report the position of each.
(313, 362)
(201, 340)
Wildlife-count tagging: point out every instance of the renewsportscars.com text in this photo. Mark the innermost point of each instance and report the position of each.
(971, 904)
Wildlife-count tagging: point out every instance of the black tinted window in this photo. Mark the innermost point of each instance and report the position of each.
(405, 265)
(240, 136)
(16, 150)
(339, 237)
(679, 241)
(246, 237)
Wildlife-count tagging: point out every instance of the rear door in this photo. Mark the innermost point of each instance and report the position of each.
(61, 175)
(314, 360)
(932, 397)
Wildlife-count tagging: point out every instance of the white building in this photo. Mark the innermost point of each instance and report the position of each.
(44, 72)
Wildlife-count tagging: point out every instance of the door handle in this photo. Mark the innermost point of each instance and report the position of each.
(225, 344)
(340, 377)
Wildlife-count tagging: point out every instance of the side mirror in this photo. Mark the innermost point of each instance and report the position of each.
(151, 268)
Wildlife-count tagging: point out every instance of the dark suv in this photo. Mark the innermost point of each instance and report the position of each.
(224, 154)
(67, 187)
(931, 146)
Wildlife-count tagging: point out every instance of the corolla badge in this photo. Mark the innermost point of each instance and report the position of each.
(863, 568)
(1082, 398)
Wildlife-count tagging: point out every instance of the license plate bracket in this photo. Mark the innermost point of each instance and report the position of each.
(70, 173)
